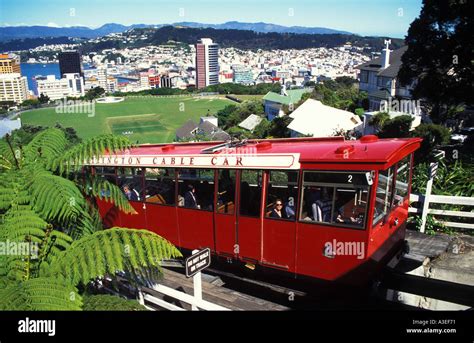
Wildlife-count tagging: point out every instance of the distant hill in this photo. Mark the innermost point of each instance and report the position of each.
(31, 43)
(20, 32)
(264, 27)
(241, 39)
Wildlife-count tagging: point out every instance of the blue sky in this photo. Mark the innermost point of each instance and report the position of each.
(366, 17)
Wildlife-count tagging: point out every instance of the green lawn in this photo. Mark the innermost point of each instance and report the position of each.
(146, 120)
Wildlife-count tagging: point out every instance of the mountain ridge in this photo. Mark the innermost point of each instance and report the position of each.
(38, 31)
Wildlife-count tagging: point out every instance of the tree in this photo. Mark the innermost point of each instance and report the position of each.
(94, 93)
(439, 55)
(433, 136)
(398, 127)
(378, 120)
(40, 207)
(279, 127)
(43, 99)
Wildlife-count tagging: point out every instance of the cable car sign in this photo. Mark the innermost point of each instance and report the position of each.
(247, 161)
(197, 262)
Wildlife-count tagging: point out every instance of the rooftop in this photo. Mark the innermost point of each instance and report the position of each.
(294, 95)
(395, 63)
(368, 149)
(314, 118)
(251, 122)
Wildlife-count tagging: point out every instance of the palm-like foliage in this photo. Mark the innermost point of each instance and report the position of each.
(39, 206)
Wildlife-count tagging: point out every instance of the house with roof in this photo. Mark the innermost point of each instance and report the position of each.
(313, 118)
(207, 127)
(378, 78)
(273, 102)
(251, 122)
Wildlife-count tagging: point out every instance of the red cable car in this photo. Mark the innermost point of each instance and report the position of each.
(325, 209)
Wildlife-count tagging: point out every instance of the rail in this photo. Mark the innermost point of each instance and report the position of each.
(428, 199)
(149, 295)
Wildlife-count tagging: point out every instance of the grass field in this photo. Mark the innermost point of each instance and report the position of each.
(146, 119)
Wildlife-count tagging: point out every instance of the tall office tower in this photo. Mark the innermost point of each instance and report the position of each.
(13, 87)
(102, 76)
(70, 63)
(9, 63)
(207, 63)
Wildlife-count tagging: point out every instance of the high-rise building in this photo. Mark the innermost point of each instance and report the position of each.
(102, 77)
(9, 63)
(70, 85)
(207, 63)
(70, 63)
(13, 87)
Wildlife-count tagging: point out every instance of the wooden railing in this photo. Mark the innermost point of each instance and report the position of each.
(427, 199)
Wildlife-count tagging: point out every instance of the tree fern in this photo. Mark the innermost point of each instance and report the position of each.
(109, 192)
(45, 146)
(54, 197)
(40, 294)
(75, 157)
(40, 207)
(6, 156)
(108, 251)
(104, 302)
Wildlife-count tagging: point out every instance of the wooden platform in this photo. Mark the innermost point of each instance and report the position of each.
(213, 291)
(426, 246)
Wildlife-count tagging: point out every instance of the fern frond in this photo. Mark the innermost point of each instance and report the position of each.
(46, 146)
(109, 192)
(54, 197)
(40, 294)
(75, 157)
(7, 159)
(108, 251)
(105, 302)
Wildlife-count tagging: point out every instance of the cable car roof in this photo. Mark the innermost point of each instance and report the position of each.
(368, 149)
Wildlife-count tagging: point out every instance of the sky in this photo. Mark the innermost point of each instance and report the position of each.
(365, 17)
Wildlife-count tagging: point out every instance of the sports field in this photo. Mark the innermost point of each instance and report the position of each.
(142, 119)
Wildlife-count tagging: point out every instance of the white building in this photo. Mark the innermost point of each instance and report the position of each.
(318, 120)
(13, 87)
(72, 85)
(102, 77)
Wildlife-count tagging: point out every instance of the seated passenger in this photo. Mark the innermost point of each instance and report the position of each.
(348, 219)
(190, 198)
(131, 193)
(322, 208)
(278, 211)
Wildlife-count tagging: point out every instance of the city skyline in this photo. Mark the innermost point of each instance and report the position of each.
(364, 17)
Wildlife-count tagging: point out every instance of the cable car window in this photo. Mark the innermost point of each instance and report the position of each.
(130, 181)
(402, 180)
(105, 170)
(196, 188)
(350, 206)
(250, 192)
(282, 195)
(160, 186)
(226, 191)
(338, 198)
(383, 195)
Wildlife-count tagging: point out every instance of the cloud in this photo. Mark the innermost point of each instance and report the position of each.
(52, 25)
